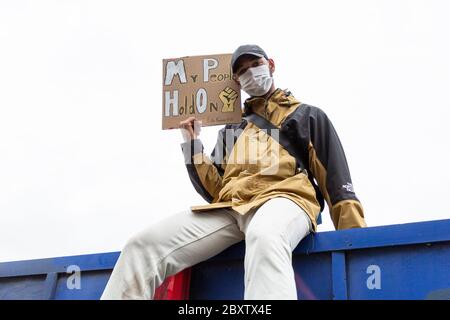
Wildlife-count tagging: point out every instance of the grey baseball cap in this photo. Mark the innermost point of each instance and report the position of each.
(251, 49)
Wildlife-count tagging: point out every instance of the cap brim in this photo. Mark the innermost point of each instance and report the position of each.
(259, 55)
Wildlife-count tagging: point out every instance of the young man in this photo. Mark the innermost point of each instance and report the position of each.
(260, 186)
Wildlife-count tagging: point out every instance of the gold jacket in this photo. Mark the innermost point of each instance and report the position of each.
(249, 167)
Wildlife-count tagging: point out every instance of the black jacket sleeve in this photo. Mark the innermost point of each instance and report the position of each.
(321, 151)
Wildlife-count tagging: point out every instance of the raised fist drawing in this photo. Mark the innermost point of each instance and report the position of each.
(228, 97)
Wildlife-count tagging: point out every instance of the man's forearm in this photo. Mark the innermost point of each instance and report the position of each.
(203, 173)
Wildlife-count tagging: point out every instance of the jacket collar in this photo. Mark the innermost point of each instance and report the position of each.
(259, 104)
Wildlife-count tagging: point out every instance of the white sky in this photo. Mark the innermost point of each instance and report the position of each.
(84, 163)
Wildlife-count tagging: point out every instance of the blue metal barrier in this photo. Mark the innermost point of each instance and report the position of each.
(407, 261)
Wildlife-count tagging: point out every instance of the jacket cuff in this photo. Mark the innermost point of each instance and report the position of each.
(191, 148)
(348, 214)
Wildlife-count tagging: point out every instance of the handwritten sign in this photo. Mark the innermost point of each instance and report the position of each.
(200, 86)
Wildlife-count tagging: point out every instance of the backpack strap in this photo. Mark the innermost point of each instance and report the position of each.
(281, 137)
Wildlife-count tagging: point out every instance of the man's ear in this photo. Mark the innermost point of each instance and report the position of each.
(271, 66)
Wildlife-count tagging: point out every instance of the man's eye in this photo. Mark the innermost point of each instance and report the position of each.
(242, 72)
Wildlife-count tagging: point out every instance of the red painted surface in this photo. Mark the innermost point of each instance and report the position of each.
(175, 287)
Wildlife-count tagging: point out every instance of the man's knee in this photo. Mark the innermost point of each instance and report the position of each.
(264, 239)
(142, 241)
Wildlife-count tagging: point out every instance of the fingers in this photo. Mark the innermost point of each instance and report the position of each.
(186, 128)
(187, 121)
(190, 128)
(228, 95)
(231, 93)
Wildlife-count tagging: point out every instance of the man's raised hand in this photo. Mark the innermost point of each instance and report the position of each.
(190, 128)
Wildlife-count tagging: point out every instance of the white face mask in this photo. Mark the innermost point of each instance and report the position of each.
(256, 81)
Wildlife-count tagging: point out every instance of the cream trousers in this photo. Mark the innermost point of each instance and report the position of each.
(182, 240)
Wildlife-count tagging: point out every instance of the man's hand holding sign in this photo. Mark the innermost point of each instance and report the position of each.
(190, 128)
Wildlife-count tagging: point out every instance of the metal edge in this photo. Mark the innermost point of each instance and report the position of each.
(344, 240)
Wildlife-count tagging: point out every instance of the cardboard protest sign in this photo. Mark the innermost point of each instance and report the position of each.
(200, 86)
